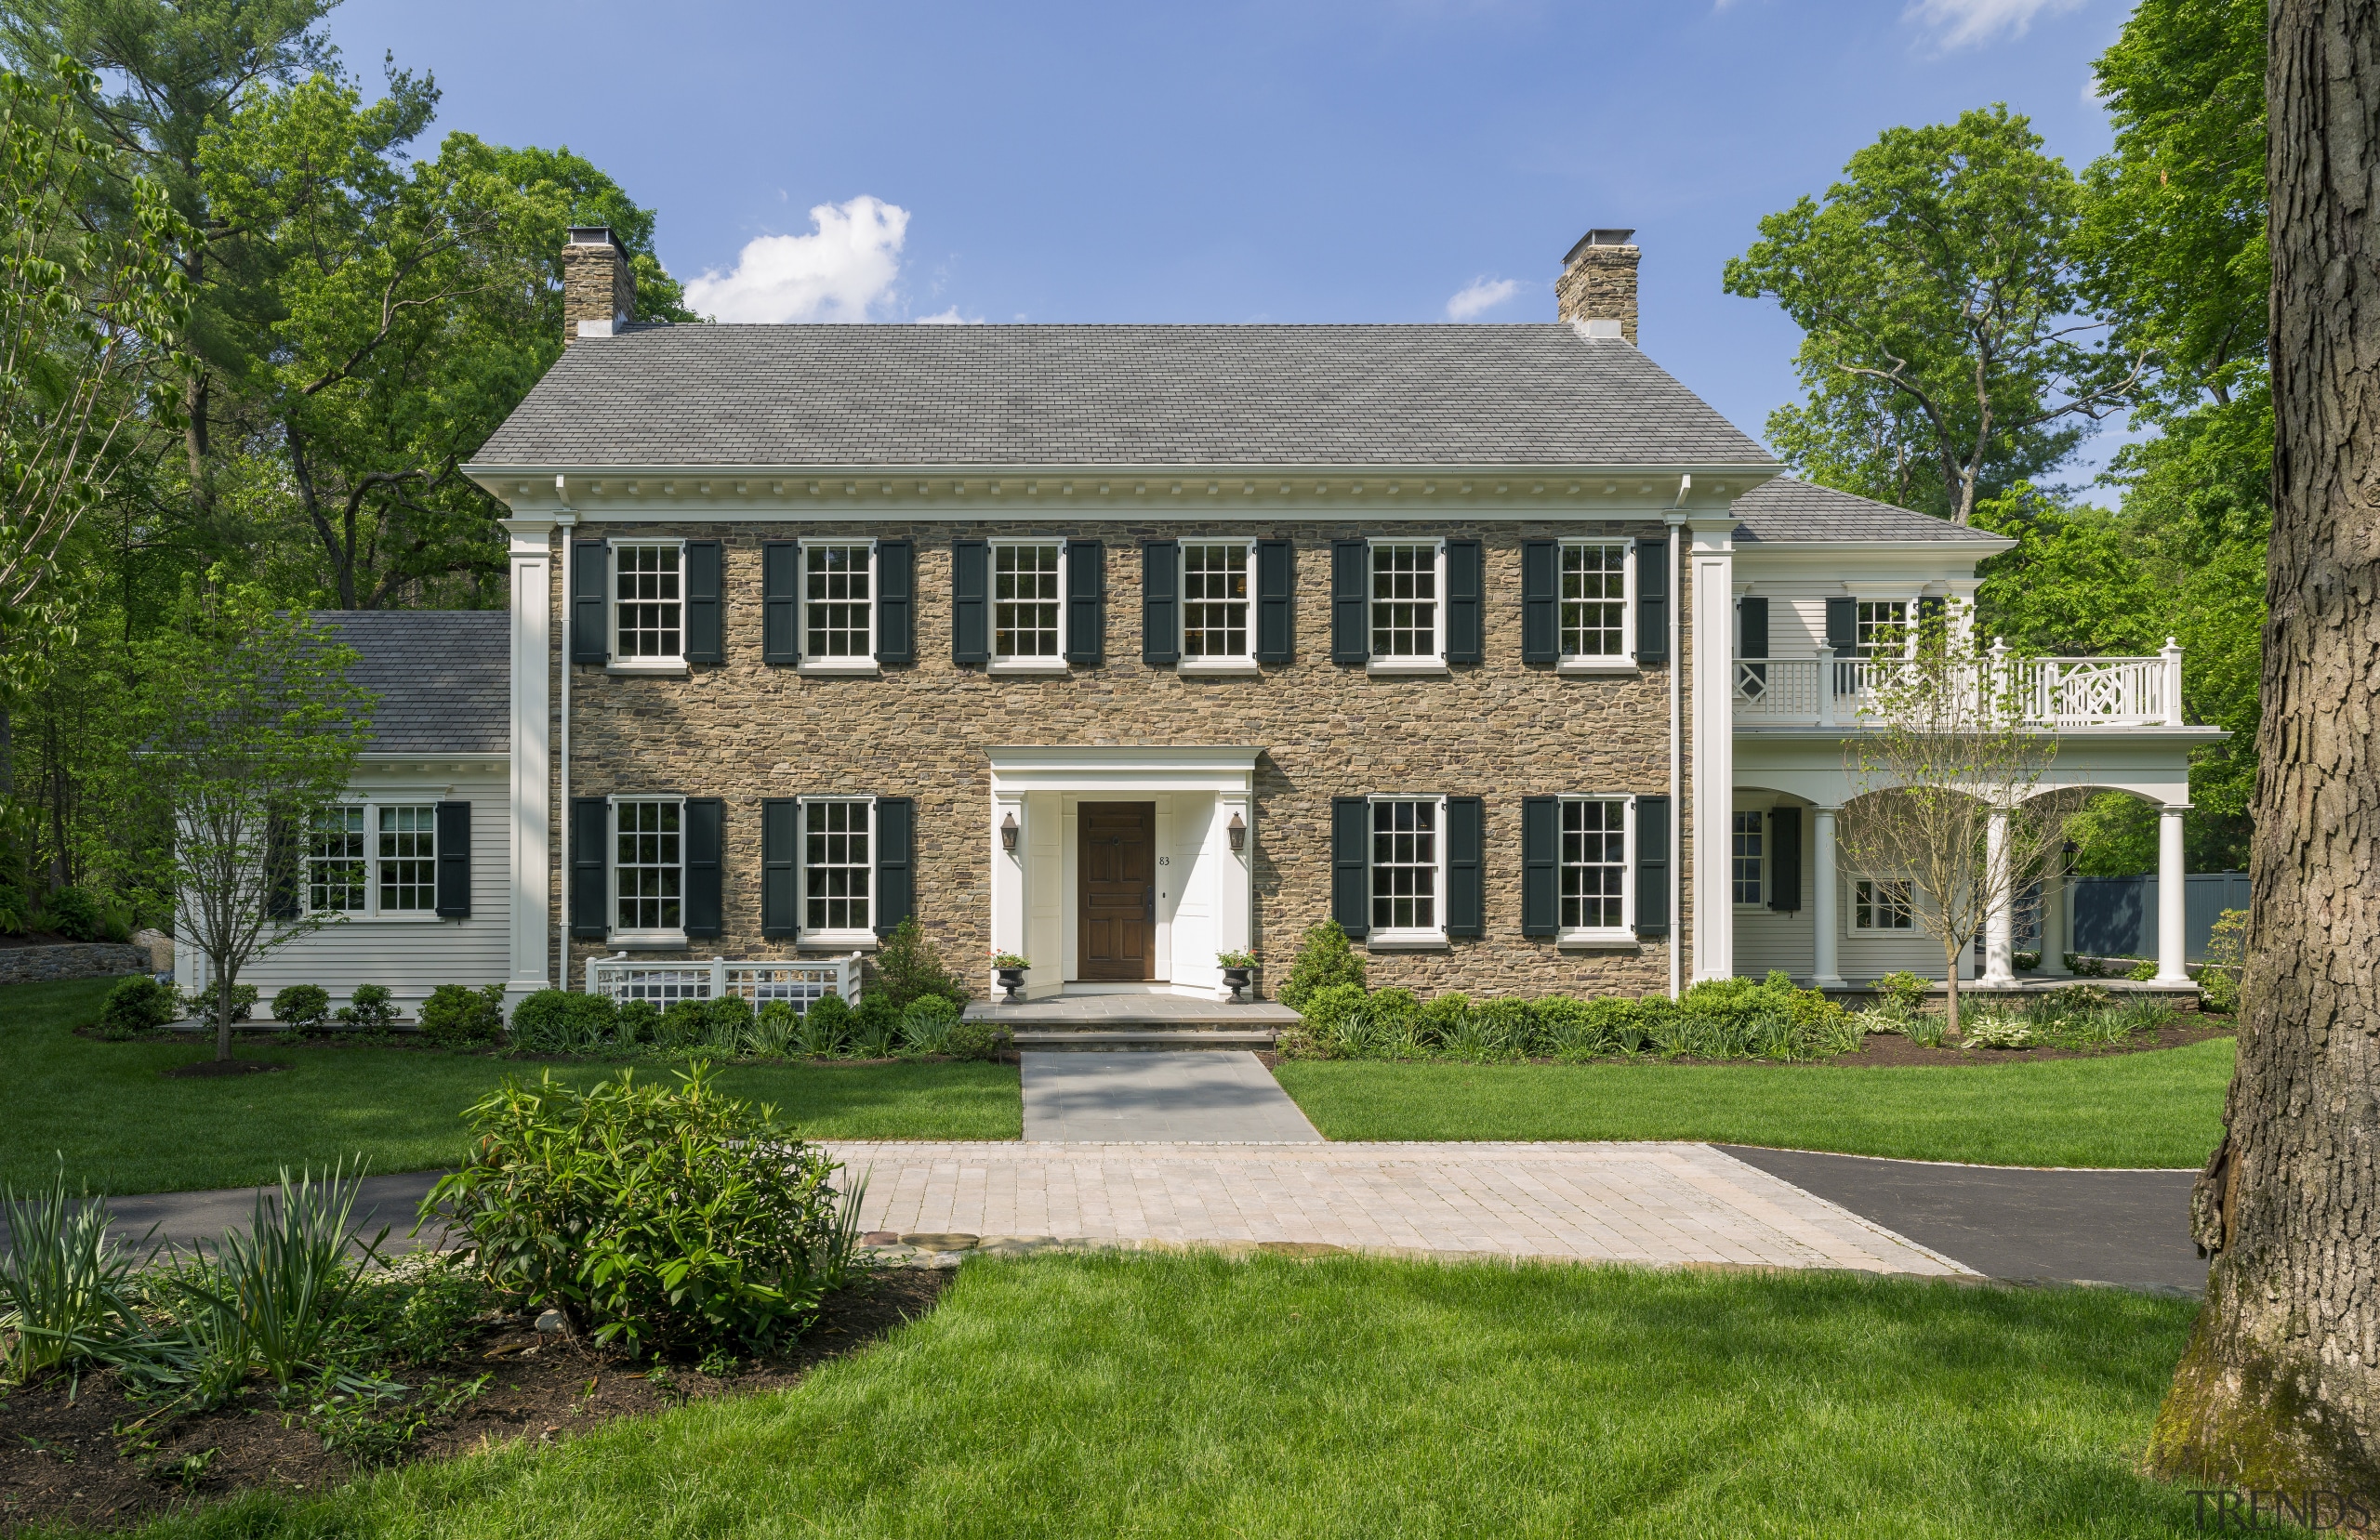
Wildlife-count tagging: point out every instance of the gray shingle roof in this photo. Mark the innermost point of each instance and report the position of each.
(1784, 510)
(905, 395)
(444, 677)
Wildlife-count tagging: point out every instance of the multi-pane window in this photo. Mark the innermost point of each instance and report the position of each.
(407, 858)
(1026, 600)
(1747, 850)
(837, 588)
(1884, 627)
(1405, 864)
(1595, 863)
(1881, 904)
(1404, 601)
(334, 862)
(648, 603)
(835, 866)
(648, 865)
(1594, 602)
(1214, 601)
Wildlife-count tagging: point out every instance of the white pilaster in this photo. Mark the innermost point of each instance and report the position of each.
(1234, 891)
(531, 843)
(1827, 904)
(1713, 772)
(2000, 916)
(2173, 897)
(1009, 912)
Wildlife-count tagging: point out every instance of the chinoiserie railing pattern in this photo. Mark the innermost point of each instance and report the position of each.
(2059, 692)
(665, 983)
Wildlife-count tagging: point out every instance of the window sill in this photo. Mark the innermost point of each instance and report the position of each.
(650, 943)
(1425, 668)
(662, 670)
(1218, 668)
(1591, 668)
(837, 940)
(343, 917)
(1406, 940)
(1025, 667)
(833, 668)
(1598, 940)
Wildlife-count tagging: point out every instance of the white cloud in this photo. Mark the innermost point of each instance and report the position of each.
(949, 318)
(1961, 22)
(842, 270)
(1480, 296)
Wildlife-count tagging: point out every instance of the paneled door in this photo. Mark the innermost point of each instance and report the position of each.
(1117, 884)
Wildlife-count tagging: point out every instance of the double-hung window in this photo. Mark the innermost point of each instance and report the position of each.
(1594, 602)
(1028, 603)
(1883, 627)
(1596, 898)
(1747, 849)
(648, 866)
(1409, 868)
(1408, 602)
(648, 603)
(838, 870)
(839, 603)
(1881, 904)
(373, 859)
(1215, 588)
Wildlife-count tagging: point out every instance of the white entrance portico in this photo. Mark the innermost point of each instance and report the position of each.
(1203, 899)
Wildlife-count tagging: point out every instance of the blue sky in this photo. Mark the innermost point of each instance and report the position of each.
(1297, 160)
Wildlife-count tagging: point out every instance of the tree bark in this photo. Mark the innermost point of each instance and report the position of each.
(2280, 1388)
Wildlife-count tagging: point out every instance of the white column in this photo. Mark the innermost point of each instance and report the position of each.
(2000, 917)
(2173, 897)
(1825, 902)
(1007, 884)
(1712, 615)
(532, 918)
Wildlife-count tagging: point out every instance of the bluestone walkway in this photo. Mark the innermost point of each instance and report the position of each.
(1196, 1097)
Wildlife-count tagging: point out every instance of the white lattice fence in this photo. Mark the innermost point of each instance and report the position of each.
(665, 984)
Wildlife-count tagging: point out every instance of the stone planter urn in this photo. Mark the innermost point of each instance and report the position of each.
(1011, 980)
(1238, 979)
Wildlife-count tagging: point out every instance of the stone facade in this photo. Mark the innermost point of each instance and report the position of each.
(27, 964)
(1599, 283)
(744, 730)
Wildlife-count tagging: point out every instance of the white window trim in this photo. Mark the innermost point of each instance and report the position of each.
(1908, 624)
(372, 912)
(1434, 662)
(807, 663)
(1581, 662)
(847, 939)
(1851, 908)
(1409, 939)
(620, 936)
(1766, 856)
(612, 610)
(1242, 664)
(998, 665)
(1625, 934)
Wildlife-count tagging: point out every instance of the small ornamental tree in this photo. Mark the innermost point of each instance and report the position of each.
(257, 728)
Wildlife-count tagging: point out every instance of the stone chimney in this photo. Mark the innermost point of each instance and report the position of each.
(1598, 285)
(598, 288)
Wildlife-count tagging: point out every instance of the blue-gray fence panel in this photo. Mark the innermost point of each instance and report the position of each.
(2116, 916)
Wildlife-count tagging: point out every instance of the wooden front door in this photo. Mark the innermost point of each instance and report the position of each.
(1118, 883)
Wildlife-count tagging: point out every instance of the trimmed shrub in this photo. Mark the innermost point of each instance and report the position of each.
(1325, 1013)
(305, 1008)
(1905, 991)
(1440, 1020)
(1508, 1026)
(555, 1020)
(1325, 957)
(926, 1024)
(370, 1009)
(876, 1025)
(457, 1016)
(727, 1021)
(2218, 981)
(976, 1040)
(136, 1005)
(909, 968)
(826, 1026)
(635, 1021)
(774, 1029)
(685, 1023)
(202, 1005)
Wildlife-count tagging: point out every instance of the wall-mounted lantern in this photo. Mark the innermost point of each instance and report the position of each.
(1008, 833)
(1238, 829)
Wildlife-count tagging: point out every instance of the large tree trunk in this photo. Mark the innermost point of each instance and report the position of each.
(2280, 1388)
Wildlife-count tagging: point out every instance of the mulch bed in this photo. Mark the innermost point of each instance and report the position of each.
(1889, 1049)
(61, 1461)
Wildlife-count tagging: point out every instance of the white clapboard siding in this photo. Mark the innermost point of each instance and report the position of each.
(1766, 939)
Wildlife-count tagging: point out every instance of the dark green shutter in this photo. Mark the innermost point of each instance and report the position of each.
(896, 892)
(1351, 867)
(1652, 601)
(1466, 600)
(1086, 601)
(280, 867)
(781, 601)
(1540, 865)
(706, 849)
(896, 601)
(1466, 866)
(1753, 613)
(1843, 626)
(1541, 603)
(971, 581)
(1785, 859)
(705, 626)
(1652, 866)
(590, 581)
(452, 898)
(1276, 601)
(780, 869)
(1933, 622)
(1351, 579)
(1161, 601)
(590, 873)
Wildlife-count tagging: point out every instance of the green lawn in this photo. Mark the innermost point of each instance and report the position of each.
(2141, 1109)
(1158, 1395)
(122, 1129)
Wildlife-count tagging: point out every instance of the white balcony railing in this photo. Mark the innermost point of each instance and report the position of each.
(665, 984)
(2056, 692)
